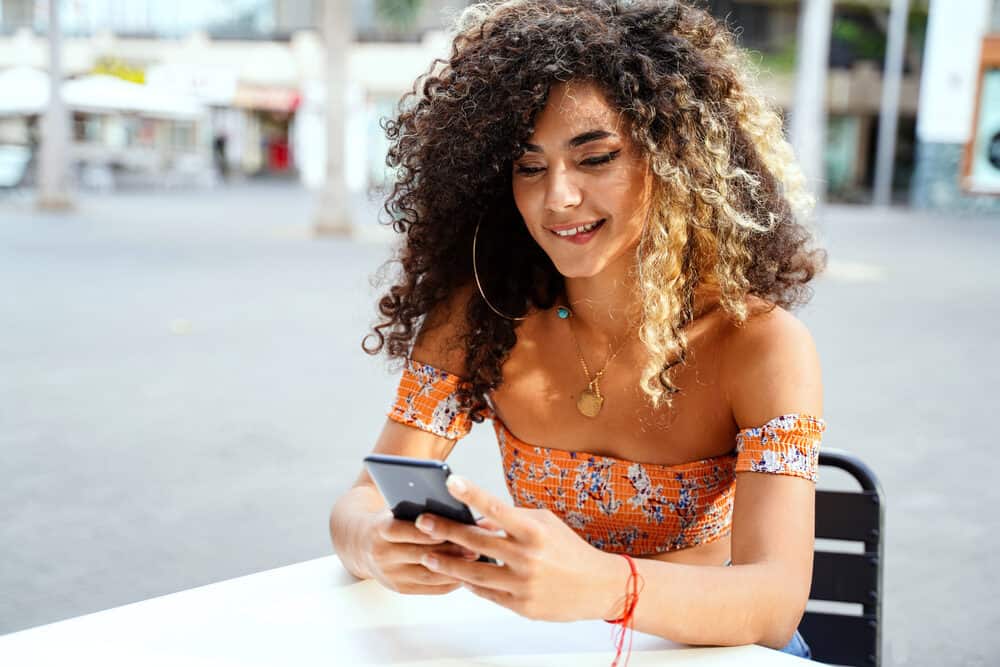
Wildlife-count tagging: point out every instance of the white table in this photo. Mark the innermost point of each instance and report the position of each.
(315, 613)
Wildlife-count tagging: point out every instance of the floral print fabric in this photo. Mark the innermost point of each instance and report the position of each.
(426, 399)
(622, 506)
(616, 505)
(786, 445)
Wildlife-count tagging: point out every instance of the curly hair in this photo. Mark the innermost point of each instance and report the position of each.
(728, 205)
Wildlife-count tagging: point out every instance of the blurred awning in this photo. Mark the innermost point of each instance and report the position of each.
(210, 84)
(24, 91)
(101, 93)
(267, 98)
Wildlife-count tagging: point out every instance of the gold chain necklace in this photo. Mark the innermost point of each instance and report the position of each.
(591, 400)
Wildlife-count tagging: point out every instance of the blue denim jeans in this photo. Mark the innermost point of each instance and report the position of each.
(798, 647)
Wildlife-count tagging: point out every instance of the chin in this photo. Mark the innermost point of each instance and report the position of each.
(579, 269)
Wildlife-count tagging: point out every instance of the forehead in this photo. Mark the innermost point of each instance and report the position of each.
(574, 107)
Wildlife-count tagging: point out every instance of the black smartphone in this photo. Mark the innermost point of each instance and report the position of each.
(412, 487)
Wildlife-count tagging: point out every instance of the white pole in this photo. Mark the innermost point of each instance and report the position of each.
(333, 216)
(53, 166)
(808, 127)
(888, 119)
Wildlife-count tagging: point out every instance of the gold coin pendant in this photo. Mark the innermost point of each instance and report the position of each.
(589, 404)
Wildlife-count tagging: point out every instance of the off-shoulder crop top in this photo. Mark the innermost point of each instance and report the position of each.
(619, 506)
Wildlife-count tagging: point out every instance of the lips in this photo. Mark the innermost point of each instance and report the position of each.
(578, 233)
(577, 229)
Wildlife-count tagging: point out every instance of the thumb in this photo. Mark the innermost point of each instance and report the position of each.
(488, 524)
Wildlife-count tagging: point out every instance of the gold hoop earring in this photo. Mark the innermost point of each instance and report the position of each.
(479, 286)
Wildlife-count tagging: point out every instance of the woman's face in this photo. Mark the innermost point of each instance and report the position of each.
(581, 186)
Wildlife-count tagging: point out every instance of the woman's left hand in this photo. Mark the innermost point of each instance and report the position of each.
(548, 573)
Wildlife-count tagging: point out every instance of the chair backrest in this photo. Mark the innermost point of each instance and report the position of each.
(856, 516)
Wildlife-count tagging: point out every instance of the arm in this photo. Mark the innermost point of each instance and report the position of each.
(761, 598)
(369, 542)
(360, 515)
(772, 369)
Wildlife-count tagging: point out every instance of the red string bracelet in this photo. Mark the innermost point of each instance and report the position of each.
(626, 621)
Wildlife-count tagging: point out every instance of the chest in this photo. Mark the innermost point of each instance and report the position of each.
(543, 381)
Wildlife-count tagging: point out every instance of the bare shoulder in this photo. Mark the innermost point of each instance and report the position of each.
(771, 367)
(440, 341)
(766, 330)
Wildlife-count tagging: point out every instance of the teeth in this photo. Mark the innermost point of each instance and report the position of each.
(578, 230)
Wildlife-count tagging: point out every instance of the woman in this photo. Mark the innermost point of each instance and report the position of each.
(602, 236)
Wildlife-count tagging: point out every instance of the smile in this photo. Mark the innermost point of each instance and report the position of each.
(582, 229)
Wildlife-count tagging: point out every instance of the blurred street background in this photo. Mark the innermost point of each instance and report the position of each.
(186, 279)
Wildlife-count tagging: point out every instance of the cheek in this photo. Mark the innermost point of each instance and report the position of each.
(625, 202)
(634, 199)
(518, 194)
(525, 202)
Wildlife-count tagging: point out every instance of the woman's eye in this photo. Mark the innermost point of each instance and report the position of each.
(589, 162)
(602, 159)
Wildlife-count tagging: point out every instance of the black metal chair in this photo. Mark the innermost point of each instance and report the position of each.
(857, 516)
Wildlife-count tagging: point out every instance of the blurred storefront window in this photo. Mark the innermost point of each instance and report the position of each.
(15, 14)
(959, 111)
(982, 158)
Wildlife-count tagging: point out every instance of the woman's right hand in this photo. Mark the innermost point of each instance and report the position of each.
(392, 552)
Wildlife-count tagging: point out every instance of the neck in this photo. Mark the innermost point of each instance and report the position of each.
(606, 306)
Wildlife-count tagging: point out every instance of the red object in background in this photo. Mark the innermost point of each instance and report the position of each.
(277, 156)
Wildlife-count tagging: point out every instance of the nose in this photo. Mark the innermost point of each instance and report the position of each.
(561, 192)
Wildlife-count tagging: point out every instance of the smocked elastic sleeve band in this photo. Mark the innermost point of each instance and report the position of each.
(426, 399)
(786, 445)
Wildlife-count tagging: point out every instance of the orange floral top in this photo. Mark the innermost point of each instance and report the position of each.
(616, 505)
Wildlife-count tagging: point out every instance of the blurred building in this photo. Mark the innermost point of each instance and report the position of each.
(17, 14)
(958, 164)
(258, 67)
(854, 83)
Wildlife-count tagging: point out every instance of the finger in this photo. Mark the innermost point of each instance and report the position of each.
(449, 549)
(416, 589)
(421, 576)
(483, 575)
(486, 524)
(472, 538)
(456, 551)
(499, 597)
(411, 554)
(399, 532)
(501, 514)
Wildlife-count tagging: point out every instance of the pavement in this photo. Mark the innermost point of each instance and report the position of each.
(184, 395)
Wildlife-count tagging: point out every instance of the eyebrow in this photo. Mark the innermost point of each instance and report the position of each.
(578, 140)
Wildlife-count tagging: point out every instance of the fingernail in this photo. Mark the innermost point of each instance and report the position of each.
(456, 484)
(425, 523)
(429, 562)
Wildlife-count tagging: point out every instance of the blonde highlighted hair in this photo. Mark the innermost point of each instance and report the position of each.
(726, 181)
